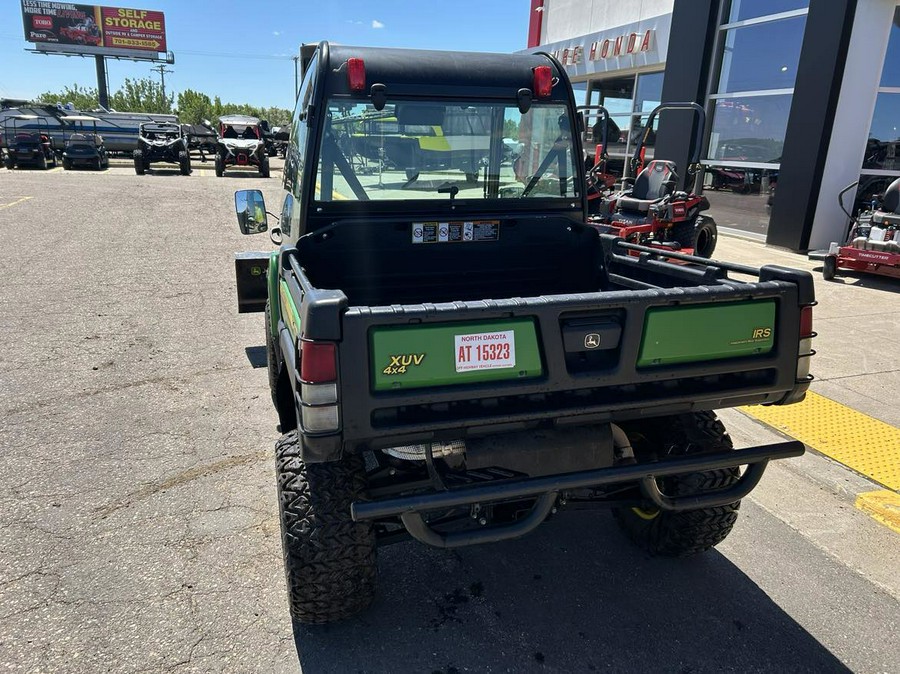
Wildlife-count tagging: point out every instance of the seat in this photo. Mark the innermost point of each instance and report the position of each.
(888, 213)
(652, 184)
(890, 202)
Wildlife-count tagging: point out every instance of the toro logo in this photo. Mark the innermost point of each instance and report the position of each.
(41, 22)
(761, 333)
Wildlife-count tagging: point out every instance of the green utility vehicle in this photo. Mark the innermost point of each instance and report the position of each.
(455, 358)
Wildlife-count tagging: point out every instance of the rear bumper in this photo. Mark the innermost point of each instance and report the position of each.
(545, 489)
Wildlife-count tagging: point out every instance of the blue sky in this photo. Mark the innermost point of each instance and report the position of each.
(241, 50)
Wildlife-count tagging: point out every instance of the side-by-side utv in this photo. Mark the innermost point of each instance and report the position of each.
(161, 142)
(28, 142)
(241, 143)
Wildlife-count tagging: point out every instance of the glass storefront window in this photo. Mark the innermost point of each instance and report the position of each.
(890, 73)
(739, 197)
(616, 94)
(742, 10)
(618, 134)
(883, 146)
(638, 122)
(761, 56)
(580, 90)
(649, 92)
(749, 129)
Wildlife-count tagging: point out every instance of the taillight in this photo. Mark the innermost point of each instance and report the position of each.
(318, 362)
(543, 81)
(356, 74)
(318, 387)
(805, 351)
(806, 321)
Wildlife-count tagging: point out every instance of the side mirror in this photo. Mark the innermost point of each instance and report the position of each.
(250, 207)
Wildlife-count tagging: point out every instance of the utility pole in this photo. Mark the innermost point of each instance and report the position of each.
(162, 70)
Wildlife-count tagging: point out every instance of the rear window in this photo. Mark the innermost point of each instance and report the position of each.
(414, 150)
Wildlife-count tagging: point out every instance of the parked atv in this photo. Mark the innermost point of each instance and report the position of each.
(84, 146)
(241, 143)
(161, 142)
(651, 210)
(28, 146)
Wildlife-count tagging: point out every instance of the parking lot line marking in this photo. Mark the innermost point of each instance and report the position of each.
(17, 201)
(881, 505)
(868, 446)
(55, 169)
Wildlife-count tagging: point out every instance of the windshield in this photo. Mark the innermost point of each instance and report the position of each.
(160, 131)
(427, 150)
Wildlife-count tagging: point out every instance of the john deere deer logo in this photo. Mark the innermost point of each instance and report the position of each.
(591, 340)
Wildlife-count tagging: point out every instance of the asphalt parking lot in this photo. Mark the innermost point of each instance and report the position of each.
(137, 495)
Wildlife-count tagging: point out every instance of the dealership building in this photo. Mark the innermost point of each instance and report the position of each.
(802, 98)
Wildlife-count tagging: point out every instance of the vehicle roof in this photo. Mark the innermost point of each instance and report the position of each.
(246, 120)
(24, 116)
(79, 118)
(414, 71)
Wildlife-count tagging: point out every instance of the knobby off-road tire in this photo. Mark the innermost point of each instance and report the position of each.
(329, 560)
(139, 162)
(681, 534)
(220, 166)
(701, 234)
(67, 164)
(264, 170)
(184, 163)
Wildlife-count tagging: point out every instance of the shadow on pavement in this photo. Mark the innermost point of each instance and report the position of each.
(256, 355)
(574, 596)
(860, 279)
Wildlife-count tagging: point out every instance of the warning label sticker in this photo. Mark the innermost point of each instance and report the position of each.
(485, 351)
(455, 232)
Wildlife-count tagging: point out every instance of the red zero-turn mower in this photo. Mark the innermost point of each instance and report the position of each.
(873, 242)
(652, 212)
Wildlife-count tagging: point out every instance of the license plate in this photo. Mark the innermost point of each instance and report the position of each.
(485, 350)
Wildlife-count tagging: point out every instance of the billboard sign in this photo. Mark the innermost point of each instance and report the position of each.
(133, 29)
(63, 24)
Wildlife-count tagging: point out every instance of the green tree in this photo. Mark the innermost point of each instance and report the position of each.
(194, 107)
(143, 95)
(83, 98)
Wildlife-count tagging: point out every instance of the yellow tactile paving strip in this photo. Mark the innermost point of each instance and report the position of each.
(868, 446)
(883, 505)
